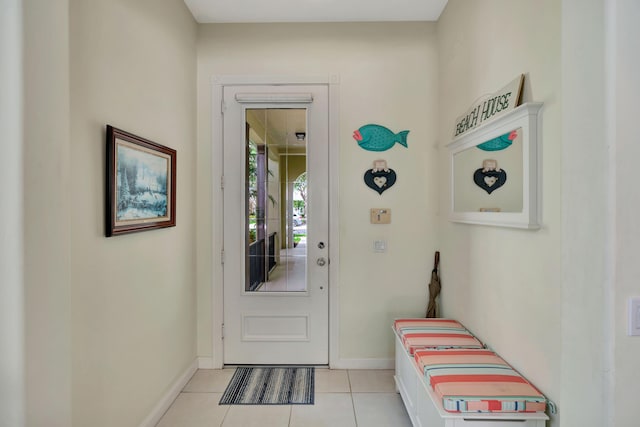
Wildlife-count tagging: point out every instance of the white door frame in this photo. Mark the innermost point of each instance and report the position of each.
(217, 83)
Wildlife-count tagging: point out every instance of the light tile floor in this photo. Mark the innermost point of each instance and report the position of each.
(342, 399)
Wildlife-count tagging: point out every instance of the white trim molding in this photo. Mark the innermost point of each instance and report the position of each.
(217, 295)
(257, 80)
(363, 364)
(165, 402)
(12, 271)
(334, 219)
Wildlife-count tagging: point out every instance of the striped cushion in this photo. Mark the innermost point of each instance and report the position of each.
(401, 325)
(439, 340)
(426, 357)
(478, 381)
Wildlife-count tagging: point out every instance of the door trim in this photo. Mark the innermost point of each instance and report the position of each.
(217, 83)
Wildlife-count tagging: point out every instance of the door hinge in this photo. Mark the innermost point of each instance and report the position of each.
(222, 256)
(222, 182)
(223, 107)
(222, 331)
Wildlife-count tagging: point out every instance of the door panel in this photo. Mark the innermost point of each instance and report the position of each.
(276, 224)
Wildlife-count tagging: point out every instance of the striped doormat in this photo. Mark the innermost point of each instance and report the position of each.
(270, 386)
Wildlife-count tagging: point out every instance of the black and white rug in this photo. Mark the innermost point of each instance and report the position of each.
(270, 386)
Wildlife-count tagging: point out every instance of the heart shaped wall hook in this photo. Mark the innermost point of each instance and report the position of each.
(490, 177)
(380, 177)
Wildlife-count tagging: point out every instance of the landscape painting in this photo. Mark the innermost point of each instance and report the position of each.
(141, 183)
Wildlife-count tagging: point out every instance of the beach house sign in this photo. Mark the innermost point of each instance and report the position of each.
(490, 106)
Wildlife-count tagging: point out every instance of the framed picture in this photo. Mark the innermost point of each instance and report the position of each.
(141, 184)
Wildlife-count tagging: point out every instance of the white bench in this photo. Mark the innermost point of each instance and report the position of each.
(425, 408)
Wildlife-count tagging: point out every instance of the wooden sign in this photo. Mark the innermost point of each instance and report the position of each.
(490, 106)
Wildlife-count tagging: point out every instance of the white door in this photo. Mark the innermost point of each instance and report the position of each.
(276, 267)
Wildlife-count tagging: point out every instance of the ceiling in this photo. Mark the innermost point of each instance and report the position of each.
(237, 11)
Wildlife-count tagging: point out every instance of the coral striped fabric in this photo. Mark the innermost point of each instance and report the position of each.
(477, 381)
(416, 324)
(439, 340)
(434, 333)
(425, 357)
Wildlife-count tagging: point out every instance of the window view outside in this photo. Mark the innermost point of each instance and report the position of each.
(276, 200)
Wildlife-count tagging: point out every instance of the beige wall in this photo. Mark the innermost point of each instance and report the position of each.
(587, 233)
(554, 301)
(624, 70)
(133, 301)
(47, 210)
(505, 284)
(388, 75)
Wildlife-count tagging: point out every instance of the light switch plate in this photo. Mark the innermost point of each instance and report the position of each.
(380, 216)
(379, 246)
(634, 317)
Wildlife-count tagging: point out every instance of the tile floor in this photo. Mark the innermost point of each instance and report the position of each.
(343, 398)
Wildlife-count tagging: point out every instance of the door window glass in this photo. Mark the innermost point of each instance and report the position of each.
(276, 199)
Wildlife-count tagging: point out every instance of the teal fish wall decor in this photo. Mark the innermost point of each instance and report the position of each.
(379, 138)
(499, 143)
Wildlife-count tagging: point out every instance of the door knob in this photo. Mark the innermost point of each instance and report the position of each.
(321, 262)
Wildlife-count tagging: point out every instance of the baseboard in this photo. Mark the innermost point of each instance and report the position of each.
(205, 363)
(158, 411)
(363, 364)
